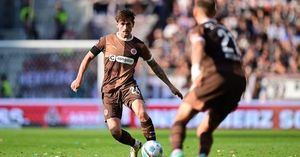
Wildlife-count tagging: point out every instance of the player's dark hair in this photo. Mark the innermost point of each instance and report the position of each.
(125, 15)
(208, 5)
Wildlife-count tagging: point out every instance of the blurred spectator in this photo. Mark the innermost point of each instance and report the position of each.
(100, 7)
(5, 87)
(163, 9)
(28, 21)
(171, 27)
(61, 19)
(267, 31)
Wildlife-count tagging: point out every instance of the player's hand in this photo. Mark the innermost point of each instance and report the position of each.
(75, 85)
(175, 91)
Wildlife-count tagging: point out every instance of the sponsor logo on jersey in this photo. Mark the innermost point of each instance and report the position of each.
(121, 59)
(133, 51)
(112, 58)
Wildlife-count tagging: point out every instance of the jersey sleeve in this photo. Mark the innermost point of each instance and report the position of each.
(196, 35)
(146, 54)
(99, 46)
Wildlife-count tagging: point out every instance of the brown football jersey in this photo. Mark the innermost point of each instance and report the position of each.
(120, 59)
(221, 53)
(222, 80)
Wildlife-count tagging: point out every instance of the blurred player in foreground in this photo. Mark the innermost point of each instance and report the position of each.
(218, 79)
(121, 52)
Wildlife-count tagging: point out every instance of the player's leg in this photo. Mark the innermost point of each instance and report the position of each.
(134, 100)
(219, 108)
(210, 122)
(114, 126)
(184, 114)
(113, 113)
(139, 109)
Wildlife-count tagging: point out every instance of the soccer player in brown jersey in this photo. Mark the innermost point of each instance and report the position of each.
(218, 79)
(121, 52)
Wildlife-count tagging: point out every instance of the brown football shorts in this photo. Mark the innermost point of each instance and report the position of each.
(113, 101)
(217, 91)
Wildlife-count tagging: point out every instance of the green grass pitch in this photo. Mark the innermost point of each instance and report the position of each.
(38, 142)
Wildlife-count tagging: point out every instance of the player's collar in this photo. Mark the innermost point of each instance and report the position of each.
(124, 39)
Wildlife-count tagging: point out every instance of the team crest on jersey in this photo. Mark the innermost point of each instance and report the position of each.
(133, 51)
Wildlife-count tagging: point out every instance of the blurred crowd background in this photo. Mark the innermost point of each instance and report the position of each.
(267, 32)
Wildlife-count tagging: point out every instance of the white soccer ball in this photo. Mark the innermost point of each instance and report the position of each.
(152, 149)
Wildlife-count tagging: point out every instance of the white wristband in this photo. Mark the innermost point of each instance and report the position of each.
(195, 71)
(196, 38)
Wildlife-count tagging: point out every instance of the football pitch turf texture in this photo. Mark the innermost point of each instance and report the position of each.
(60, 142)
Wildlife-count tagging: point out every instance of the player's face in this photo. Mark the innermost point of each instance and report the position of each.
(125, 28)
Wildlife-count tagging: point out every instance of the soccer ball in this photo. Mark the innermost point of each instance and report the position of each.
(152, 149)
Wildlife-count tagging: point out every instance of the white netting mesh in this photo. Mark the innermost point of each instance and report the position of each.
(46, 69)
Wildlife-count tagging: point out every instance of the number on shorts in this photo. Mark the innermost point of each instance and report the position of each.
(135, 90)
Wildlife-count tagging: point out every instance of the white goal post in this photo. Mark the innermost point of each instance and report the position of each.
(47, 44)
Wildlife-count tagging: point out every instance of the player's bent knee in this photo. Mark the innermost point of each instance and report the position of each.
(143, 116)
(204, 132)
(179, 124)
(206, 135)
(116, 133)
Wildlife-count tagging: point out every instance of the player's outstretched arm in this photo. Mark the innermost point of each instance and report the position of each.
(75, 85)
(197, 44)
(162, 75)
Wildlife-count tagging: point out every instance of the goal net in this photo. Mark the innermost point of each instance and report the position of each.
(45, 68)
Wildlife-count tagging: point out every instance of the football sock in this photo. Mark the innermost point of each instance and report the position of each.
(202, 155)
(177, 135)
(126, 138)
(136, 144)
(148, 129)
(206, 142)
(177, 153)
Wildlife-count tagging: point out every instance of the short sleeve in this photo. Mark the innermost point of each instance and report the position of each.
(100, 45)
(196, 35)
(146, 54)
